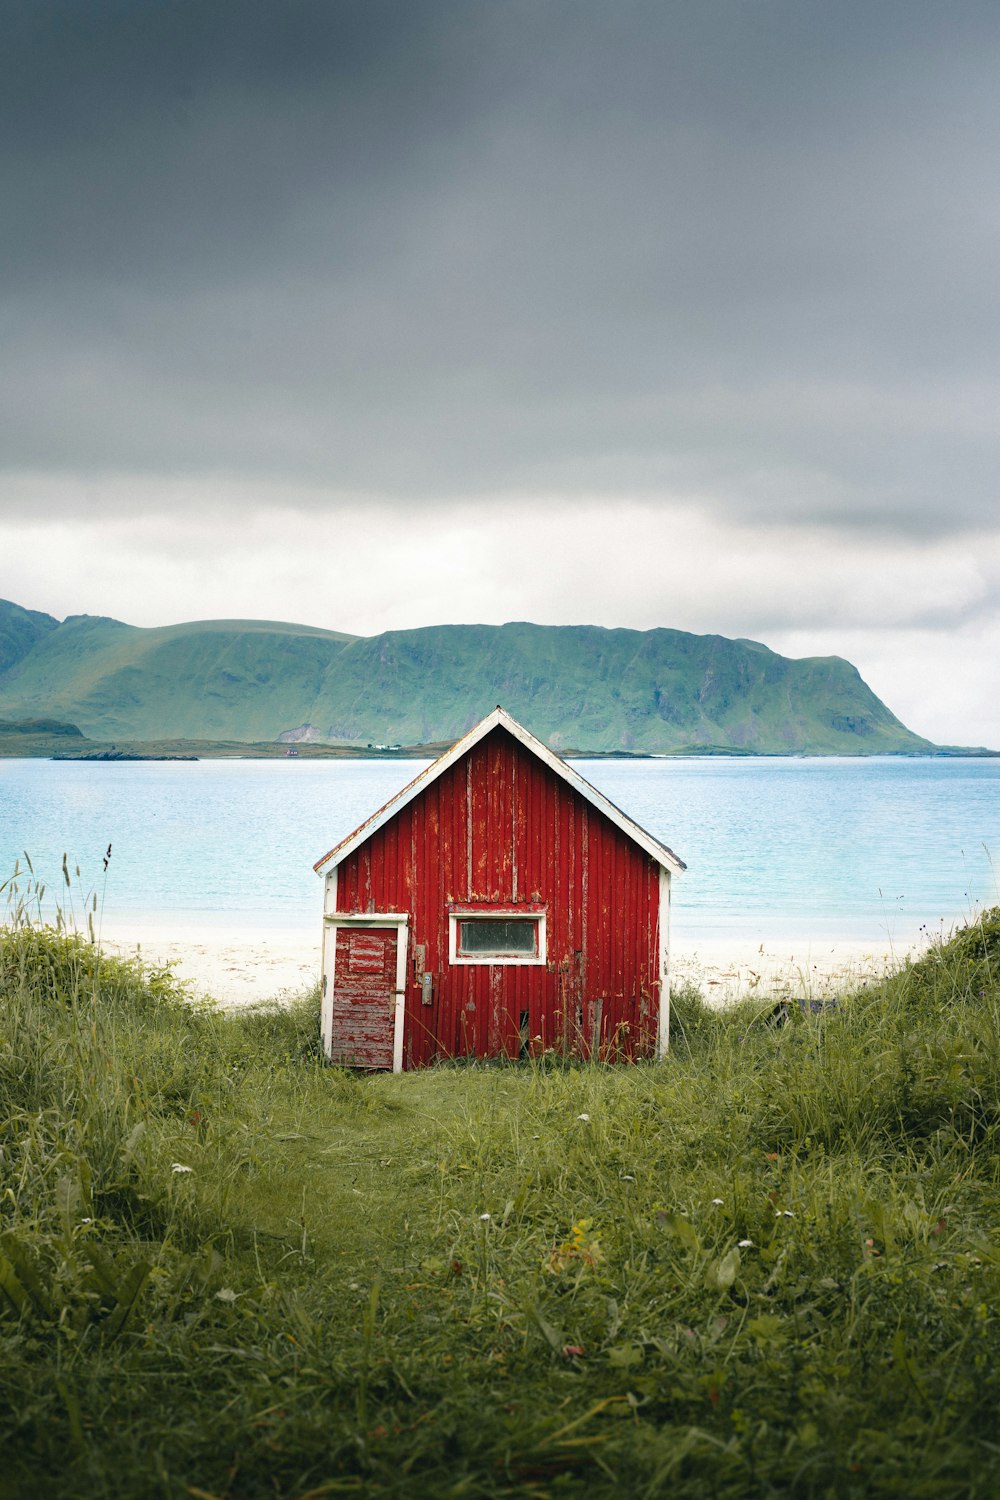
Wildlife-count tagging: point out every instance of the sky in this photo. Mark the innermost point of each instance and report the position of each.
(374, 314)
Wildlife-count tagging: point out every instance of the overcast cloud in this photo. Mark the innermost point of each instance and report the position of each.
(383, 314)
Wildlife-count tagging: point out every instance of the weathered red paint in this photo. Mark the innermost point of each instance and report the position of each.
(365, 996)
(500, 827)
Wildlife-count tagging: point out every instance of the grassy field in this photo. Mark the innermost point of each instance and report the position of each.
(769, 1265)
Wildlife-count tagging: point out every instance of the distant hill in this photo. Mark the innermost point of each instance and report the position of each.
(30, 727)
(575, 686)
(19, 631)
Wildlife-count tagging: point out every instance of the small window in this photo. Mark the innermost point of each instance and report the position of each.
(489, 936)
(498, 935)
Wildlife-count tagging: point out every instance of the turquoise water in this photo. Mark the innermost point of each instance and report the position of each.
(861, 850)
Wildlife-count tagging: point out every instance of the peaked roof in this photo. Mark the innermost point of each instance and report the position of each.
(500, 719)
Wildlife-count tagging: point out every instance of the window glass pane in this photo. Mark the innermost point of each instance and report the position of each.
(496, 935)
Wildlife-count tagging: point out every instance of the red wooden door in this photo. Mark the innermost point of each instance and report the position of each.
(364, 997)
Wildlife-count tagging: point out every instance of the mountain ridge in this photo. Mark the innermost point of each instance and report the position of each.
(588, 687)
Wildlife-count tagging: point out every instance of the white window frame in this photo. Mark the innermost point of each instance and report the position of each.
(523, 912)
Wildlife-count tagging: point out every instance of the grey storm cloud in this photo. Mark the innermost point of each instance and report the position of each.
(738, 251)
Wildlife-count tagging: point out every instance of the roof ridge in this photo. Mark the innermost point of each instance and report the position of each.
(500, 719)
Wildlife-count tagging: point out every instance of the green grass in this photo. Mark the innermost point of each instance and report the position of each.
(768, 1265)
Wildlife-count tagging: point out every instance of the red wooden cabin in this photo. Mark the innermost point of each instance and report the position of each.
(497, 905)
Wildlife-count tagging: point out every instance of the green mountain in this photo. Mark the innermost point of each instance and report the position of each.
(20, 629)
(575, 686)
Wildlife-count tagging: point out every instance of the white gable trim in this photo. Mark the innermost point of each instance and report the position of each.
(499, 718)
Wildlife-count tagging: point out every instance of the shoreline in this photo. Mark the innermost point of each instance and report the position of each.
(13, 747)
(727, 971)
(237, 966)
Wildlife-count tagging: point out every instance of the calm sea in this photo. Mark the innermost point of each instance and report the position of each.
(860, 850)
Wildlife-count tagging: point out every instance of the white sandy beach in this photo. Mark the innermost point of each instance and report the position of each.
(240, 966)
(232, 965)
(730, 970)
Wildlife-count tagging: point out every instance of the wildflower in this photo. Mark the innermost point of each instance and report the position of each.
(178, 1166)
(745, 1244)
(225, 1294)
(717, 1202)
(584, 1118)
(581, 1248)
(485, 1218)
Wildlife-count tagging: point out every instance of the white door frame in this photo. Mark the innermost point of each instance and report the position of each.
(331, 922)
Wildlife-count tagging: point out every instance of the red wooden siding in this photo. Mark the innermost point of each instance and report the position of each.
(500, 826)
